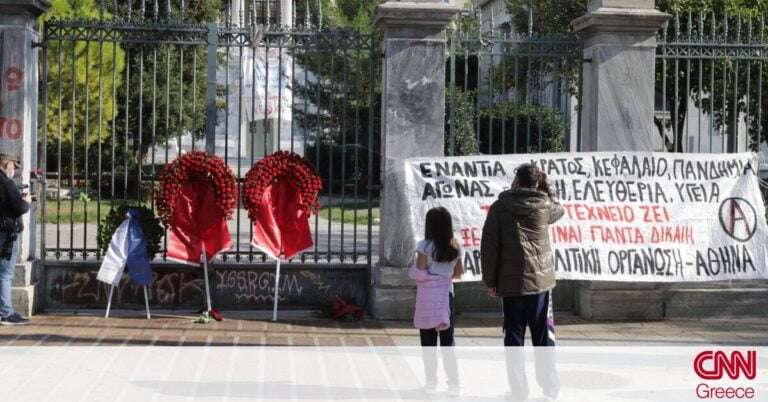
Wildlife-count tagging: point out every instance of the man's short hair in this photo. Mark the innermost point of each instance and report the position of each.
(528, 175)
(4, 157)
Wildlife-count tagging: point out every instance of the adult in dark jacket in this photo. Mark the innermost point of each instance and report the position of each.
(13, 205)
(518, 264)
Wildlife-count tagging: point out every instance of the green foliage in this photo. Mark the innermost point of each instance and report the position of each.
(351, 14)
(84, 197)
(528, 128)
(166, 87)
(150, 225)
(719, 77)
(136, 94)
(745, 8)
(549, 16)
(552, 17)
(463, 106)
(555, 16)
(74, 87)
(344, 94)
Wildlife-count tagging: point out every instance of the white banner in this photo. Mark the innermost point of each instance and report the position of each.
(638, 217)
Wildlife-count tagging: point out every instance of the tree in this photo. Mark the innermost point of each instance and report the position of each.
(163, 97)
(547, 17)
(497, 102)
(77, 98)
(343, 92)
(551, 17)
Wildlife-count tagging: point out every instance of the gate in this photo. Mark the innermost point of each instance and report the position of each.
(511, 92)
(709, 83)
(129, 89)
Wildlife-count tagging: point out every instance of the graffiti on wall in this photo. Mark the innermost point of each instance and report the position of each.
(233, 288)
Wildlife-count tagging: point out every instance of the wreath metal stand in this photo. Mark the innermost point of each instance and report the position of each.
(204, 257)
(277, 288)
(112, 292)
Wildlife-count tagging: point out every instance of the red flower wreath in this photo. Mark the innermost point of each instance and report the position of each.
(200, 166)
(270, 169)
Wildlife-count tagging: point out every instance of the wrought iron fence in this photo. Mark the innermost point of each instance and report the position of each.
(709, 83)
(231, 12)
(123, 96)
(511, 92)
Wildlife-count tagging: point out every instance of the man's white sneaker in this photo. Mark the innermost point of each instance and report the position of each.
(454, 391)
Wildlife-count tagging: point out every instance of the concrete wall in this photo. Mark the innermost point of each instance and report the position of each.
(74, 286)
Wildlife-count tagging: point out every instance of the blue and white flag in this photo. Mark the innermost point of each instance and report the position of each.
(127, 250)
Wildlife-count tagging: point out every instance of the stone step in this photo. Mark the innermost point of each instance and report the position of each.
(706, 303)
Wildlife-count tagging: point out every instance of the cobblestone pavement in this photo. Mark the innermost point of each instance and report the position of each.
(300, 329)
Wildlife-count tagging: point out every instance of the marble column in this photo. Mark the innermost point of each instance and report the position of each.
(617, 114)
(618, 82)
(18, 123)
(413, 123)
(286, 13)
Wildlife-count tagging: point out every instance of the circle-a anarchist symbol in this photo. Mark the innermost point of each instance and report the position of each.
(738, 218)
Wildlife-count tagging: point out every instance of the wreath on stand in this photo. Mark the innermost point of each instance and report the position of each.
(198, 166)
(150, 226)
(208, 173)
(280, 193)
(279, 165)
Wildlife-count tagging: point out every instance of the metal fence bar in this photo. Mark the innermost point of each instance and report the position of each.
(356, 170)
(59, 169)
(210, 93)
(331, 129)
(85, 149)
(44, 150)
(344, 95)
(140, 134)
(154, 123)
(72, 166)
(371, 101)
(758, 137)
(319, 124)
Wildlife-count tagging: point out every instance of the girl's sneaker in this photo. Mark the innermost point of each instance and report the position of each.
(14, 319)
(430, 388)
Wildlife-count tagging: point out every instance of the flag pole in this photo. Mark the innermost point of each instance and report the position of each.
(109, 301)
(205, 274)
(146, 302)
(277, 289)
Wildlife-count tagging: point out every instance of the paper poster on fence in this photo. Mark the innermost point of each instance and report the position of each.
(645, 217)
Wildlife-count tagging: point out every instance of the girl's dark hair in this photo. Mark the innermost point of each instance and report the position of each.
(439, 230)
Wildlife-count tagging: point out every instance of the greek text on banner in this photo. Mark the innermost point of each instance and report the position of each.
(651, 217)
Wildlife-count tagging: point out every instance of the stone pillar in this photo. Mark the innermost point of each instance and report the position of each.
(617, 114)
(286, 13)
(618, 75)
(18, 121)
(412, 125)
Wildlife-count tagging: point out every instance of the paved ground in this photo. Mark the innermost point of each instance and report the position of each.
(298, 329)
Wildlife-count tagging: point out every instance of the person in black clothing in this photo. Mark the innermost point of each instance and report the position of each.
(13, 204)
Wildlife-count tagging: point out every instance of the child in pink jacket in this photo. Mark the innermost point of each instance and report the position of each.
(438, 262)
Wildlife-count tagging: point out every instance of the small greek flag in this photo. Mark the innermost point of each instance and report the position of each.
(127, 250)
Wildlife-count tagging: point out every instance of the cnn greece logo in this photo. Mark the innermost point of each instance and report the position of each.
(715, 364)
